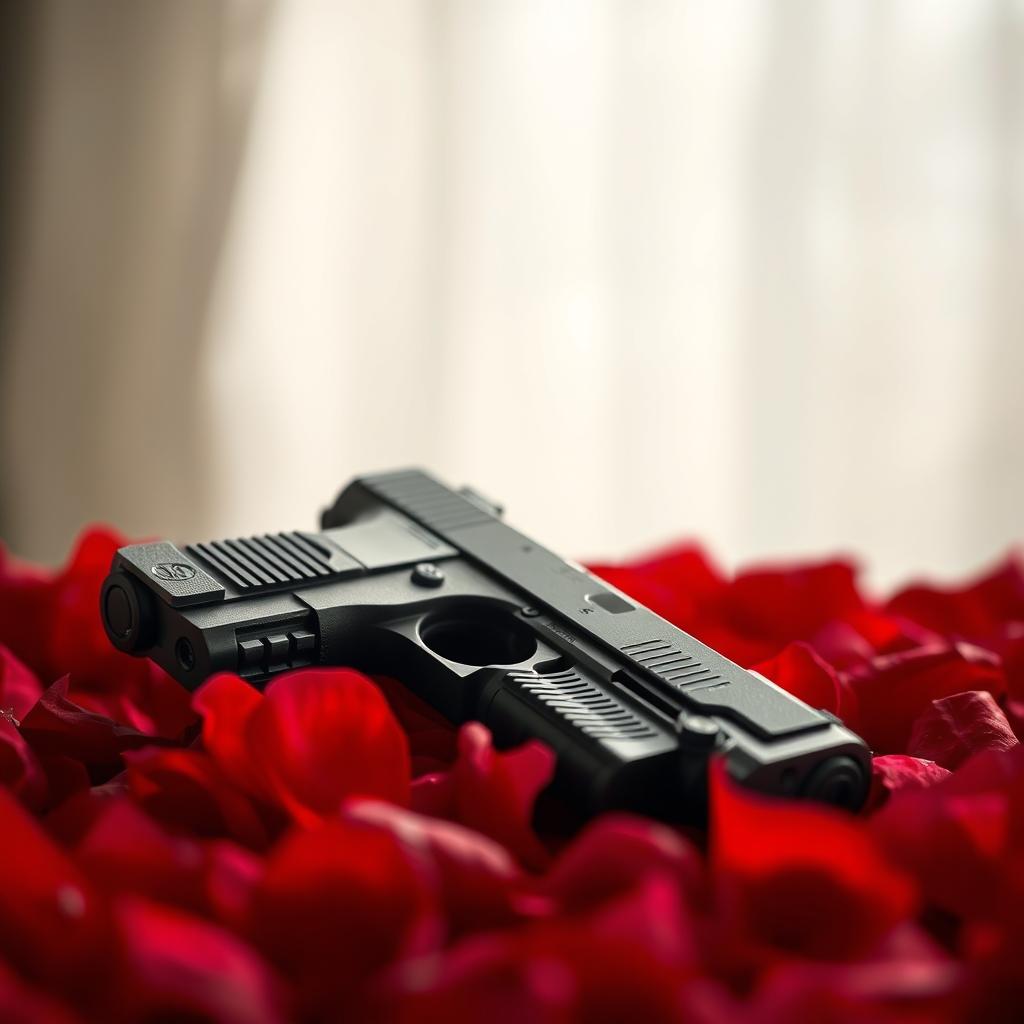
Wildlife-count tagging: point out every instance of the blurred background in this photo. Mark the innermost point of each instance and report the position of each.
(750, 272)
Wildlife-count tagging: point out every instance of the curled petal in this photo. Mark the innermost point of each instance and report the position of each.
(312, 739)
(892, 773)
(326, 734)
(801, 672)
(953, 728)
(492, 791)
(58, 725)
(955, 836)
(187, 791)
(892, 690)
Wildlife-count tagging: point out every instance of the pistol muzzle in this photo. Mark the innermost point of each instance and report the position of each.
(129, 617)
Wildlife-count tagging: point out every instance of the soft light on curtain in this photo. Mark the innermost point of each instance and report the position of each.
(744, 271)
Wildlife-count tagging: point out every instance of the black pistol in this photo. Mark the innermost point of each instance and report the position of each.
(409, 578)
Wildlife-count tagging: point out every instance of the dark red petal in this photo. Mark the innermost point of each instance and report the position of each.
(21, 1004)
(1012, 652)
(321, 735)
(799, 671)
(57, 725)
(78, 643)
(893, 689)
(187, 791)
(66, 778)
(953, 728)
(19, 687)
(52, 924)
(612, 854)
(20, 770)
(974, 611)
(147, 699)
(491, 791)
(335, 904)
(628, 962)
(226, 704)
(787, 604)
(479, 883)
(862, 634)
(799, 870)
(892, 773)
(431, 735)
(908, 978)
(125, 851)
(954, 836)
(177, 967)
(1014, 710)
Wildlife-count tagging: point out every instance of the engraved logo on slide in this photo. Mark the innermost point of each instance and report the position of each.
(173, 571)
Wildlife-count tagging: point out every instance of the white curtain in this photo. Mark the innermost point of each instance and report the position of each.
(745, 271)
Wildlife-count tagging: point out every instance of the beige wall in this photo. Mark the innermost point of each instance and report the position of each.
(749, 271)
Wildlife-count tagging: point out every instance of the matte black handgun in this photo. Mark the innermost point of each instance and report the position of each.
(410, 578)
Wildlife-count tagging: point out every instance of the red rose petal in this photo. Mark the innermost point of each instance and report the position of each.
(21, 1004)
(150, 701)
(478, 882)
(893, 689)
(892, 773)
(954, 836)
(313, 738)
(57, 725)
(783, 605)
(1014, 711)
(432, 738)
(953, 728)
(491, 791)
(322, 735)
(20, 770)
(19, 687)
(338, 902)
(627, 962)
(176, 967)
(799, 870)
(226, 704)
(909, 978)
(187, 791)
(125, 851)
(805, 913)
(612, 854)
(799, 671)
(53, 927)
(78, 644)
(974, 611)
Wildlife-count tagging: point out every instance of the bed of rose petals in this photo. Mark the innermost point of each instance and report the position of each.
(331, 849)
